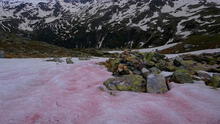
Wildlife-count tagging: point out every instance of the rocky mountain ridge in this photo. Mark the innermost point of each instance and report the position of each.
(110, 23)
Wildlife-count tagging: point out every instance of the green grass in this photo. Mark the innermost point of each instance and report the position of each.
(18, 47)
(199, 42)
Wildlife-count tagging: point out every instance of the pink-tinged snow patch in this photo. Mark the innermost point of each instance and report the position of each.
(33, 91)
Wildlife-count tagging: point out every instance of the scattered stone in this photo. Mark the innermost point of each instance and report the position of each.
(58, 60)
(156, 83)
(102, 88)
(204, 75)
(69, 61)
(182, 76)
(2, 54)
(134, 83)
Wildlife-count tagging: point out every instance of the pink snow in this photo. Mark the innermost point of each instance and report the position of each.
(33, 91)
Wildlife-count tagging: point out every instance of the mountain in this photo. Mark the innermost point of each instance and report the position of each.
(110, 23)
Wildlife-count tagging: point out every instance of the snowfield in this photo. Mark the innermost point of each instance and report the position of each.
(33, 91)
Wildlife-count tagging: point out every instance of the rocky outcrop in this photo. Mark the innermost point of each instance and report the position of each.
(182, 69)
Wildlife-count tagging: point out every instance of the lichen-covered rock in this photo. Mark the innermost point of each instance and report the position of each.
(153, 56)
(112, 64)
(69, 61)
(156, 83)
(170, 67)
(215, 81)
(123, 69)
(182, 76)
(134, 83)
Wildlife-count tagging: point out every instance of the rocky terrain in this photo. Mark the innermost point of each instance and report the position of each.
(70, 90)
(110, 23)
(109, 61)
(152, 72)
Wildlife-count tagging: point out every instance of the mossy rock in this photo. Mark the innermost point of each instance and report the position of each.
(182, 76)
(134, 83)
(170, 67)
(153, 56)
(215, 81)
(112, 64)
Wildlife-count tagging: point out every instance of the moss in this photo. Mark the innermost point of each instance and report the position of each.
(182, 76)
(134, 83)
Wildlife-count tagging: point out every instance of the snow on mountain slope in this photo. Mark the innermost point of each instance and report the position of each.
(108, 23)
(35, 91)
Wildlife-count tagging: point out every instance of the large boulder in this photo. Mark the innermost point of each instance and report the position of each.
(2, 54)
(182, 76)
(134, 83)
(156, 83)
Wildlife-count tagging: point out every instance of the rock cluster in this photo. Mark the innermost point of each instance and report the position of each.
(141, 72)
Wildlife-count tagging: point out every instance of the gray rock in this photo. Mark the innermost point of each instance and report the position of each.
(204, 75)
(145, 72)
(155, 70)
(182, 76)
(178, 61)
(2, 54)
(156, 83)
(69, 61)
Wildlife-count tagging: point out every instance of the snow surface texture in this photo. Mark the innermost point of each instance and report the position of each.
(33, 91)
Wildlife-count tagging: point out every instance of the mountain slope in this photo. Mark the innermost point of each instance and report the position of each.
(110, 23)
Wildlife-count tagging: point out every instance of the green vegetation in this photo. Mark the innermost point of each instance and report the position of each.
(18, 47)
(195, 42)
